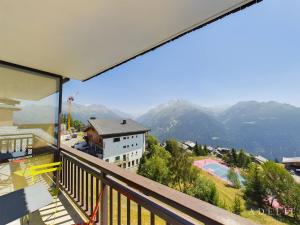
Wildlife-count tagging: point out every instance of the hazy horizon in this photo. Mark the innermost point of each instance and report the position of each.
(171, 101)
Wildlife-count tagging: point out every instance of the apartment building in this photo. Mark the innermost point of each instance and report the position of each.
(117, 141)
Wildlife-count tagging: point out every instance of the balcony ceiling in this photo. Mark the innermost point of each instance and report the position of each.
(81, 39)
(23, 85)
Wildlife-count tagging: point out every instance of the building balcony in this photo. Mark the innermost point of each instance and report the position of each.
(128, 198)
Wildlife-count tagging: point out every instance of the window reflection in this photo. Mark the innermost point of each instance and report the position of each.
(28, 125)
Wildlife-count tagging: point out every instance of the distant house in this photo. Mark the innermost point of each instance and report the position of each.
(182, 145)
(223, 150)
(187, 145)
(210, 148)
(260, 159)
(219, 151)
(291, 163)
(117, 141)
(190, 144)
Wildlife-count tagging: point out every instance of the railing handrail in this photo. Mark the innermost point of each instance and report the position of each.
(198, 209)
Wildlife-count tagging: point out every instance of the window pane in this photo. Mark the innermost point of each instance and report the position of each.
(28, 124)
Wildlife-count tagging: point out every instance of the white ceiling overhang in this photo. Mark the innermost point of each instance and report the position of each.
(80, 39)
(25, 85)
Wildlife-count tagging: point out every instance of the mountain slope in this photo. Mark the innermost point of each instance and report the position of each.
(184, 121)
(268, 128)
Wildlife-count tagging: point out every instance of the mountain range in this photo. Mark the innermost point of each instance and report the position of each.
(270, 129)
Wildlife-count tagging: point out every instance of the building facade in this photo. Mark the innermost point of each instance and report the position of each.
(121, 142)
(291, 163)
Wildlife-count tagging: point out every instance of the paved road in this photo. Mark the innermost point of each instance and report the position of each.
(69, 142)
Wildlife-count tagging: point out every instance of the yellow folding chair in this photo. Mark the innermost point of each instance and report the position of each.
(43, 169)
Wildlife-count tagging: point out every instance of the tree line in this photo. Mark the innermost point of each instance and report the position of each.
(173, 166)
(237, 159)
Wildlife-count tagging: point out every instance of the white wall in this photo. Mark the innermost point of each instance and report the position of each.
(134, 148)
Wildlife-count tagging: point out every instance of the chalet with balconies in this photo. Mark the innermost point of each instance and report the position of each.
(117, 141)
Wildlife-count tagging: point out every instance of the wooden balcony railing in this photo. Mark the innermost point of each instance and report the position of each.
(129, 197)
(16, 142)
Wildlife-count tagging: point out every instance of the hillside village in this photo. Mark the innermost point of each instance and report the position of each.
(117, 131)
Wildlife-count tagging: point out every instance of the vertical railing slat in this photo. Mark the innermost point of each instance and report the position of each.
(92, 194)
(139, 214)
(97, 194)
(104, 202)
(72, 178)
(152, 218)
(79, 183)
(65, 172)
(128, 211)
(82, 188)
(111, 205)
(119, 208)
(69, 177)
(86, 190)
(75, 181)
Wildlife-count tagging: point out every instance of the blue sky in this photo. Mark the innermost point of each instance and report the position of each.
(250, 55)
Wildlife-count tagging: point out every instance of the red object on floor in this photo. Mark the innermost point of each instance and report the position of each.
(94, 214)
(18, 160)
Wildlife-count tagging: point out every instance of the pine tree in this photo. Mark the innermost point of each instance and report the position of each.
(254, 189)
(205, 151)
(234, 157)
(233, 178)
(237, 205)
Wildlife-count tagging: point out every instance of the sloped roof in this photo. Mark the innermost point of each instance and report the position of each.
(190, 144)
(81, 39)
(116, 126)
(291, 160)
(261, 158)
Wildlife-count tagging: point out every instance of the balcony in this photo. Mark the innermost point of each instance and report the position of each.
(128, 198)
(35, 62)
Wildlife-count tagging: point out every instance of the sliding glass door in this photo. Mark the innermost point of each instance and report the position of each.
(29, 109)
